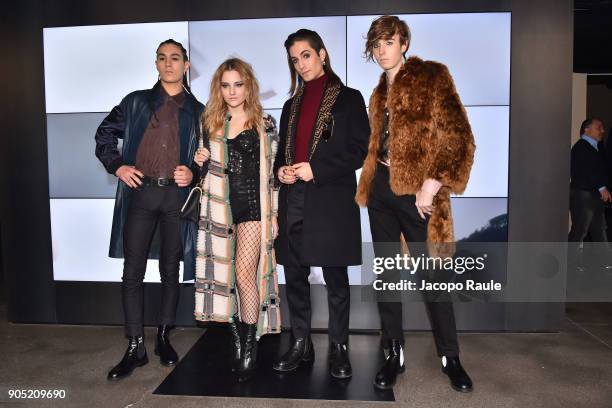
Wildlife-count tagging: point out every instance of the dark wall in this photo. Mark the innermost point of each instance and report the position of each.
(593, 36)
(539, 170)
(541, 110)
(599, 99)
(26, 233)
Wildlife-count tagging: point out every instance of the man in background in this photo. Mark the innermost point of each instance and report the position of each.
(588, 188)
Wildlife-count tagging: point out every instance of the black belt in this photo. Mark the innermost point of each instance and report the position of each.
(159, 182)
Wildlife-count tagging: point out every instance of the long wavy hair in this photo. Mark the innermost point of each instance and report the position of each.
(216, 108)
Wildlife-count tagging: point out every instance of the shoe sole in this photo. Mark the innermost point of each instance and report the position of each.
(304, 363)
(388, 387)
(144, 362)
(462, 390)
(171, 364)
(341, 377)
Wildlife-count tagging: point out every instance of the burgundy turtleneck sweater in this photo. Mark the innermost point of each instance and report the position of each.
(311, 101)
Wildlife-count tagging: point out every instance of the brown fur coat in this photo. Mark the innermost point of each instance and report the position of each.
(430, 137)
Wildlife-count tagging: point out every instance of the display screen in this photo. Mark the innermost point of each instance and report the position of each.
(89, 69)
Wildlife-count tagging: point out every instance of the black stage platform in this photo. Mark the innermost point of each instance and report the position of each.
(205, 371)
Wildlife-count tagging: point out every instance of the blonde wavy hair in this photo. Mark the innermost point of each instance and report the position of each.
(216, 108)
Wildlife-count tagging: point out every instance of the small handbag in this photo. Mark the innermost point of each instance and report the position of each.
(190, 211)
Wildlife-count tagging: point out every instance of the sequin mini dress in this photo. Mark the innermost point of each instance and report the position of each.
(243, 172)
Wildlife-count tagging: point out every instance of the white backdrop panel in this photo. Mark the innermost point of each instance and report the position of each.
(474, 46)
(260, 43)
(80, 233)
(91, 68)
(491, 129)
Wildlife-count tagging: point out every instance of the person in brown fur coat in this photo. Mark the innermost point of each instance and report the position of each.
(421, 150)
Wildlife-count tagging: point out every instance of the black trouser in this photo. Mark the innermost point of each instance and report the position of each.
(587, 211)
(149, 206)
(296, 278)
(392, 215)
(588, 216)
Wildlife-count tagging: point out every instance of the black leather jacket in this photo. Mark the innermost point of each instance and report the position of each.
(128, 121)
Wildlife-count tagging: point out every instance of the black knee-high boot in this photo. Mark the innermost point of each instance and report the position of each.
(236, 339)
(249, 354)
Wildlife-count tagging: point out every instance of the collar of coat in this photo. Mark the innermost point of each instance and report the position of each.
(156, 98)
(323, 117)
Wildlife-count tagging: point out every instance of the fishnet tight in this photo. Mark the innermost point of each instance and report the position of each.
(248, 245)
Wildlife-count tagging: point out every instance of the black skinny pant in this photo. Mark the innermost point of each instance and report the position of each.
(296, 278)
(150, 206)
(392, 215)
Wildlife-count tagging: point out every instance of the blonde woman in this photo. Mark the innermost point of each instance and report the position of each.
(238, 216)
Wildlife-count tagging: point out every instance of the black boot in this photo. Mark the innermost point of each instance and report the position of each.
(459, 379)
(301, 351)
(339, 363)
(163, 348)
(249, 355)
(135, 356)
(235, 329)
(394, 365)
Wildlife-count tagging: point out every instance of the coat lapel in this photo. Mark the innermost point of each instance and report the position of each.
(186, 121)
(294, 111)
(323, 118)
(324, 115)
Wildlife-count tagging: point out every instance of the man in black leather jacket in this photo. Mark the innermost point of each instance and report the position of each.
(160, 129)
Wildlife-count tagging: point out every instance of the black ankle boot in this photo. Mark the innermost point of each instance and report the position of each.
(459, 379)
(249, 355)
(339, 363)
(135, 356)
(235, 331)
(301, 352)
(394, 365)
(163, 348)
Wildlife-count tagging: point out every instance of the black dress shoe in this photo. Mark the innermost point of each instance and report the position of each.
(163, 348)
(249, 355)
(235, 329)
(394, 365)
(135, 356)
(459, 379)
(301, 352)
(339, 363)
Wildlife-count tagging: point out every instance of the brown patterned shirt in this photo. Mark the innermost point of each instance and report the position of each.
(158, 152)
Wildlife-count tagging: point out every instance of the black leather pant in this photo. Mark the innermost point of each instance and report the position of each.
(150, 206)
(392, 215)
(296, 278)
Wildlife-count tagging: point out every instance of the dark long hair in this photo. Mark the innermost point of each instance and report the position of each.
(316, 42)
(185, 58)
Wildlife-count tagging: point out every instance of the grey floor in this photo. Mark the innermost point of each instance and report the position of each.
(572, 368)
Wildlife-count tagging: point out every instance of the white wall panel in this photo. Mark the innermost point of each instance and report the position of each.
(91, 68)
(474, 46)
(80, 233)
(260, 43)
